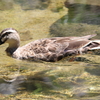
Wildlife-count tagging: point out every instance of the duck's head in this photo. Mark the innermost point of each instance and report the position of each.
(10, 36)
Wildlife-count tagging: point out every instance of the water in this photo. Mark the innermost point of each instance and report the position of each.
(62, 80)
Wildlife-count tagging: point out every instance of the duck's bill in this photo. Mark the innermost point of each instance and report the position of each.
(1, 42)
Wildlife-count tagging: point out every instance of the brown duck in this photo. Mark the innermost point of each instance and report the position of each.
(48, 49)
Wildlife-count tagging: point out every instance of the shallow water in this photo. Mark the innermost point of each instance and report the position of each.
(62, 80)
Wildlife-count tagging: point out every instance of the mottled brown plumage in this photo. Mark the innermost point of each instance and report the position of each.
(48, 49)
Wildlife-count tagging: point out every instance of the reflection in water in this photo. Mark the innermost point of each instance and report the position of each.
(37, 84)
(83, 13)
(33, 4)
(80, 19)
(32, 83)
(6, 88)
(10, 87)
(25, 4)
(94, 70)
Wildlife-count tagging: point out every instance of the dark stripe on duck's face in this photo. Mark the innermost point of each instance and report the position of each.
(2, 36)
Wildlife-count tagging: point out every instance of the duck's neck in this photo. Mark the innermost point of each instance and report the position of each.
(13, 45)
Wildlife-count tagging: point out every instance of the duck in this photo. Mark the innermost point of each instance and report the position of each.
(47, 49)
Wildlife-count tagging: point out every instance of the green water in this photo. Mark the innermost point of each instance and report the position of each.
(62, 80)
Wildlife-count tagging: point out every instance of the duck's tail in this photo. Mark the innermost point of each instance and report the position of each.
(88, 36)
(96, 46)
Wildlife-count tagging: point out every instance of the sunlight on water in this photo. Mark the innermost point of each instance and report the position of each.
(62, 80)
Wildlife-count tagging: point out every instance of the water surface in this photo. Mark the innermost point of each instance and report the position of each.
(62, 80)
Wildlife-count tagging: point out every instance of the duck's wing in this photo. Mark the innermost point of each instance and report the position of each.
(76, 46)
